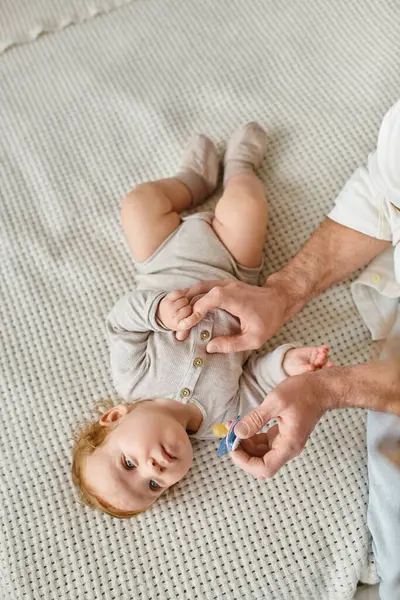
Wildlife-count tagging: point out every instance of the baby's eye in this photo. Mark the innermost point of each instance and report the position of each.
(153, 484)
(128, 463)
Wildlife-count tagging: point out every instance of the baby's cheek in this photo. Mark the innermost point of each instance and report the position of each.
(187, 463)
(175, 476)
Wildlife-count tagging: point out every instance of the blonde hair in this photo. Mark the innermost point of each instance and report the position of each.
(88, 436)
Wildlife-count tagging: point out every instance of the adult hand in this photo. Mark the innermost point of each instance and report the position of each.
(260, 310)
(297, 403)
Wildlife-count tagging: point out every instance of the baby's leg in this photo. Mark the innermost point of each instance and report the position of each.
(242, 212)
(150, 212)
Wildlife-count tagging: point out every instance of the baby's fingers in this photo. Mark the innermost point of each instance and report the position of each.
(176, 294)
(320, 356)
(181, 336)
(328, 364)
(190, 321)
(180, 303)
(183, 313)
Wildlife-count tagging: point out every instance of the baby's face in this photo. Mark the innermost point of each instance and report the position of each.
(147, 452)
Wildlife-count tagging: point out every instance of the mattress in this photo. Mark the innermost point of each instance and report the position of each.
(96, 97)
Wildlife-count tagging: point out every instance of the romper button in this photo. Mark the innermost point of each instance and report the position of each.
(185, 392)
(376, 278)
(204, 334)
(197, 362)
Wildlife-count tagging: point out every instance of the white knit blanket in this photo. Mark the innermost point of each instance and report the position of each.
(85, 113)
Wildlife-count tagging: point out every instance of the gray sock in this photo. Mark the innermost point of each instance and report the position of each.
(245, 150)
(200, 166)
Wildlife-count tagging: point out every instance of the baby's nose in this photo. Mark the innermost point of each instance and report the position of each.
(156, 465)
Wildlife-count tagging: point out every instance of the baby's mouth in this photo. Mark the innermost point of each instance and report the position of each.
(167, 455)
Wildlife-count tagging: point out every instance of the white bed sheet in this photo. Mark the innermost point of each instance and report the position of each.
(87, 112)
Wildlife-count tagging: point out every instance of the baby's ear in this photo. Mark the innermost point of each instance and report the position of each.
(113, 415)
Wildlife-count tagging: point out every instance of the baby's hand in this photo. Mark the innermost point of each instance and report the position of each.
(173, 308)
(304, 360)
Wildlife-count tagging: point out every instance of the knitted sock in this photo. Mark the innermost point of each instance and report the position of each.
(200, 166)
(245, 150)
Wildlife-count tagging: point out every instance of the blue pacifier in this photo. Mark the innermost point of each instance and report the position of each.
(230, 441)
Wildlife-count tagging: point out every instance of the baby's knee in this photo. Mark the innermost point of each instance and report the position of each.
(138, 197)
(140, 201)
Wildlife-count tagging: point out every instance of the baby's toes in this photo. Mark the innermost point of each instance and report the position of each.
(325, 352)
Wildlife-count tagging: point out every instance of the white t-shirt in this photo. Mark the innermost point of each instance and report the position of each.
(370, 203)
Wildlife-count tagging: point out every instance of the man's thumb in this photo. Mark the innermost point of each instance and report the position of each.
(252, 423)
(227, 344)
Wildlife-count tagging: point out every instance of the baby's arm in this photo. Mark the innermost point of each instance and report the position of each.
(271, 369)
(135, 313)
(129, 325)
(144, 311)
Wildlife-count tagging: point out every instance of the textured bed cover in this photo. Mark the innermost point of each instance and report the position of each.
(87, 111)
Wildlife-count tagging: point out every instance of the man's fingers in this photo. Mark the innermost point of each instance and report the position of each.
(256, 446)
(203, 287)
(278, 456)
(270, 463)
(254, 421)
(251, 464)
(212, 299)
(201, 308)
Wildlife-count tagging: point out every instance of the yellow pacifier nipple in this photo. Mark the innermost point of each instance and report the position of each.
(219, 430)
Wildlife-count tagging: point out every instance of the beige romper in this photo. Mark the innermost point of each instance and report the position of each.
(146, 359)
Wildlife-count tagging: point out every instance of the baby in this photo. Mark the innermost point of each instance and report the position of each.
(124, 461)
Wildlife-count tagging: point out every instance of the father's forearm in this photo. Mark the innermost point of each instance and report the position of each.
(374, 385)
(330, 255)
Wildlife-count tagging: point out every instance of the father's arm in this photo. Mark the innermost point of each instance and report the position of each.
(332, 253)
